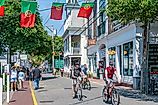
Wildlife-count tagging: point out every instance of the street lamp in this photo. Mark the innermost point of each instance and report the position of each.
(52, 34)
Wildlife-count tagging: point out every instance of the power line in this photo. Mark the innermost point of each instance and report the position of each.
(44, 9)
(87, 23)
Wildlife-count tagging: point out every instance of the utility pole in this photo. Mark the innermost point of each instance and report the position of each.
(52, 34)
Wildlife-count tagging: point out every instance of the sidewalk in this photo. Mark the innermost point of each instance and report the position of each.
(23, 96)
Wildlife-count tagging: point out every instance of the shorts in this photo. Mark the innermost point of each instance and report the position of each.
(110, 82)
(13, 80)
(74, 81)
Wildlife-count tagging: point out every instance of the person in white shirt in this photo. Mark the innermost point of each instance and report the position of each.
(13, 78)
(21, 78)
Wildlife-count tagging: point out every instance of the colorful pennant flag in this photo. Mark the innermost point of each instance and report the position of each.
(28, 13)
(2, 7)
(85, 10)
(56, 11)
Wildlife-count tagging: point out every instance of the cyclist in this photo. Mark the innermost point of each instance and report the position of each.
(76, 73)
(109, 72)
(84, 72)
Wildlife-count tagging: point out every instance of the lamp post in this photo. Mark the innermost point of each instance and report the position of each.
(52, 34)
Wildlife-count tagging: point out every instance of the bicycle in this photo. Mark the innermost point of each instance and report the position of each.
(86, 84)
(79, 89)
(115, 97)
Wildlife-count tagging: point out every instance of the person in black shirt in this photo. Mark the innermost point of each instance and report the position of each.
(36, 77)
(76, 72)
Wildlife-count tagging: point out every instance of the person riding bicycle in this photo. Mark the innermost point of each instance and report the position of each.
(110, 71)
(76, 73)
(84, 72)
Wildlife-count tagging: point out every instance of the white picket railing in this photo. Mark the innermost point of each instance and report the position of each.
(1, 91)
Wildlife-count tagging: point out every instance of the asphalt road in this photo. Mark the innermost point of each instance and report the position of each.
(57, 91)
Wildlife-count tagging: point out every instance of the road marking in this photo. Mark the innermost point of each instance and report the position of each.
(33, 94)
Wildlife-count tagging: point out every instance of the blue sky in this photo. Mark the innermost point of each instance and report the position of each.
(44, 4)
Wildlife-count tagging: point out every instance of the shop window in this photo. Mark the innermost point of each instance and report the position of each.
(128, 59)
(112, 55)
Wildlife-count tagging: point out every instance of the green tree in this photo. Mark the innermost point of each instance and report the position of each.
(34, 41)
(141, 11)
(58, 44)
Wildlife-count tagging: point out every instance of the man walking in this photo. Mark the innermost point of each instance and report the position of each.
(36, 77)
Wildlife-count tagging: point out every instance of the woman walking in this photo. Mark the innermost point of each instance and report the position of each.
(21, 78)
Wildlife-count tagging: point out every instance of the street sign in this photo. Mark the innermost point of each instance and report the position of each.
(23, 57)
(59, 63)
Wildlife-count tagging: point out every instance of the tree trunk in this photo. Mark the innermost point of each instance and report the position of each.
(145, 71)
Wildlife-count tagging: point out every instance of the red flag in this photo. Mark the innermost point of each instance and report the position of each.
(28, 13)
(1, 10)
(85, 10)
(56, 11)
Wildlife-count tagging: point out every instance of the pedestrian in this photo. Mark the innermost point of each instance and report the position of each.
(55, 71)
(62, 71)
(27, 74)
(21, 78)
(36, 77)
(13, 79)
(30, 74)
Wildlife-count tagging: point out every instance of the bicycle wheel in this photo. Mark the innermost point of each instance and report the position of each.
(79, 94)
(115, 97)
(105, 96)
(88, 85)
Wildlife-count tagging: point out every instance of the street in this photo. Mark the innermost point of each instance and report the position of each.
(57, 91)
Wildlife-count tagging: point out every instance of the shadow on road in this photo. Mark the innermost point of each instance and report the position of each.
(67, 88)
(47, 78)
(81, 102)
(137, 95)
(46, 101)
(93, 87)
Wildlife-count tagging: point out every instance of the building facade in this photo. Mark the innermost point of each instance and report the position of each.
(75, 40)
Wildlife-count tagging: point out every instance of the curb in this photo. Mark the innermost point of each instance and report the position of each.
(33, 94)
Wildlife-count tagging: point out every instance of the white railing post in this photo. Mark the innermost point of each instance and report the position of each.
(8, 82)
(3, 79)
(1, 90)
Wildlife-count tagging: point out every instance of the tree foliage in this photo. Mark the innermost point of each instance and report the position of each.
(34, 41)
(143, 11)
(58, 44)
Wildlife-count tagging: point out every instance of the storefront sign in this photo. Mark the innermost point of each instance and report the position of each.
(112, 52)
(23, 57)
(91, 42)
